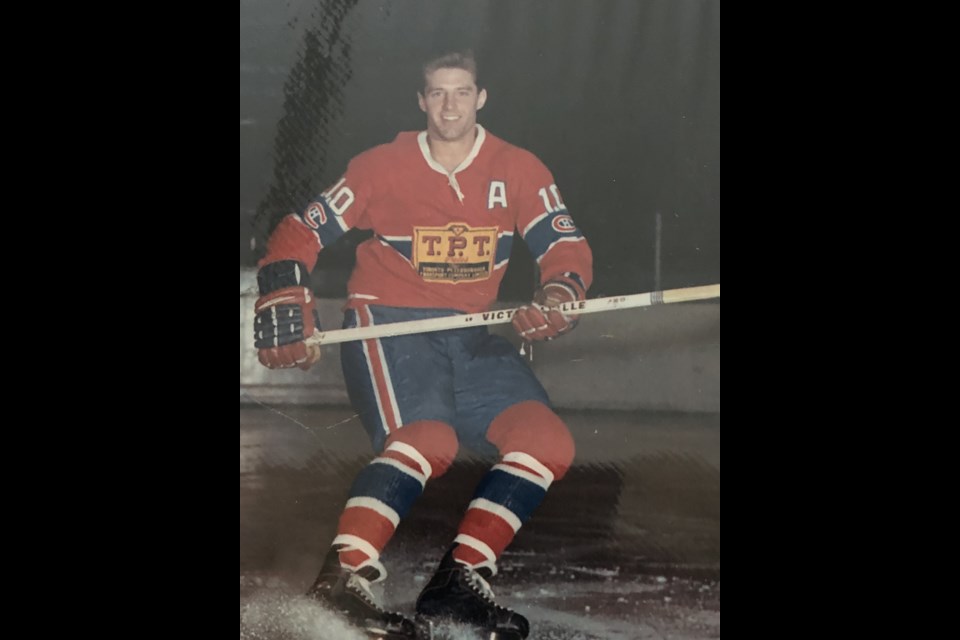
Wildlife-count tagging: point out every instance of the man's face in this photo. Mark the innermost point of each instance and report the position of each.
(451, 101)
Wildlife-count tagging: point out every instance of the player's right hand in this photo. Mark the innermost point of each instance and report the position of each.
(285, 317)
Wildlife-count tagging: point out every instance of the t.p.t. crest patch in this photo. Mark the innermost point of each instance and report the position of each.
(455, 253)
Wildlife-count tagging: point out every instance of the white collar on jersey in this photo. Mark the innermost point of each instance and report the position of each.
(451, 175)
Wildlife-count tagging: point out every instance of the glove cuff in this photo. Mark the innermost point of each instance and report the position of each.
(282, 274)
(570, 281)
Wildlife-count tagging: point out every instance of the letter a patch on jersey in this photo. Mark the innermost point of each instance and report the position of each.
(454, 254)
(497, 195)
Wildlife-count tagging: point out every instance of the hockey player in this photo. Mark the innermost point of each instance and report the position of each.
(445, 206)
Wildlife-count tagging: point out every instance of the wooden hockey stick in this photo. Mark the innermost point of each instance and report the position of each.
(503, 316)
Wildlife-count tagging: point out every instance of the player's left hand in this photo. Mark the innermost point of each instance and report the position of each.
(534, 324)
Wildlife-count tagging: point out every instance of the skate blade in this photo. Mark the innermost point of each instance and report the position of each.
(429, 631)
(383, 634)
(378, 634)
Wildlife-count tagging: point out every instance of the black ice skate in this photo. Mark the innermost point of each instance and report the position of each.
(461, 594)
(349, 594)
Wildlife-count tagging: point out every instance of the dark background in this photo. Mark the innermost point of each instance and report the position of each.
(620, 99)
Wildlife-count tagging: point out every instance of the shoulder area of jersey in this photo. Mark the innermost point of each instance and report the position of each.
(516, 156)
(402, 143)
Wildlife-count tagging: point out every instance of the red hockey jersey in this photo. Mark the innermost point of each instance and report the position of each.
(441, 239)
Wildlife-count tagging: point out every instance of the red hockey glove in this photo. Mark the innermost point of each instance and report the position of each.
(560, 297)
(286, 314)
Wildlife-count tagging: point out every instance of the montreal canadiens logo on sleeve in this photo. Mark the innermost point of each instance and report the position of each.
(564, 224)
(316, 216)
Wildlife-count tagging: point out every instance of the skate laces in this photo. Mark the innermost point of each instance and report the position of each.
(361, 586)
(480, 586)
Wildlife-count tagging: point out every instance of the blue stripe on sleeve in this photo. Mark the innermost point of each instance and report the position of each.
(320, 217)
(555, 226)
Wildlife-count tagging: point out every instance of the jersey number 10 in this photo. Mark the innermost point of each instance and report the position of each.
(556, 197)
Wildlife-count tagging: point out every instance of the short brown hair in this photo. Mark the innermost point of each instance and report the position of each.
(452, 60)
